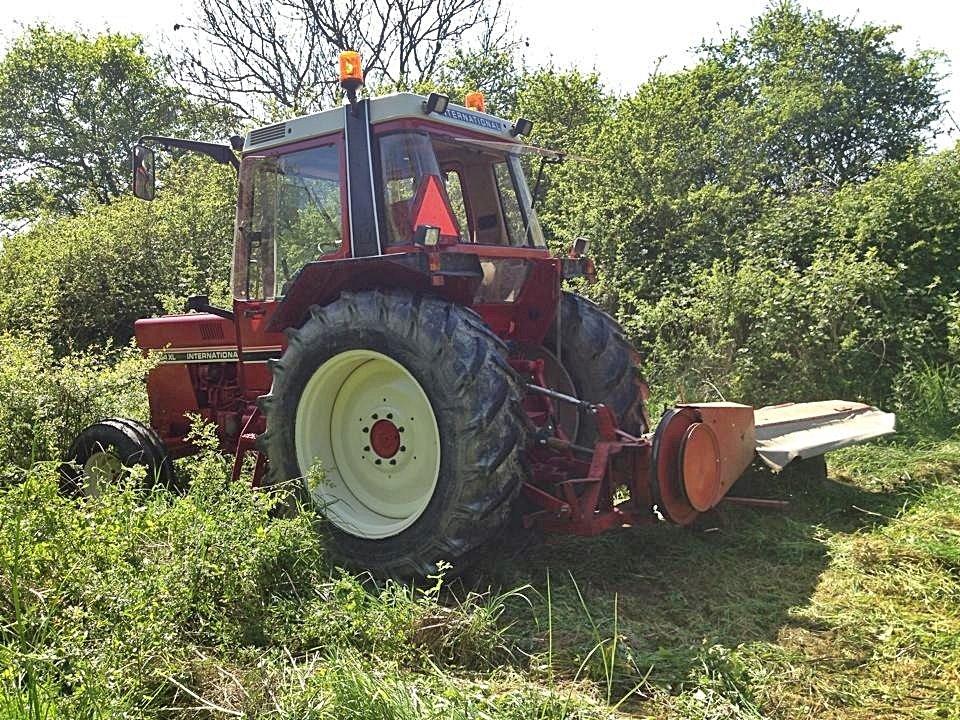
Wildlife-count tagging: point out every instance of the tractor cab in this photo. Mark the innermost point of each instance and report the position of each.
(402, 190)
(432, 187)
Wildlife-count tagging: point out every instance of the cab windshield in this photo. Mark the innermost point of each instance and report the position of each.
(474, 191)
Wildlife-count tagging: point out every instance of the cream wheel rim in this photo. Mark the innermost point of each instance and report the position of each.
(368, 425)
(101, 468)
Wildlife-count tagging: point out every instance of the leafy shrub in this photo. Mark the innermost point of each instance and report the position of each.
(927, 400)
(84, 280)
(116, 603)
(46, 401)
(116, 590)
(770, 332)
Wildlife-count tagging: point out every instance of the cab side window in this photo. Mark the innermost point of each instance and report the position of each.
(309, 213)
(292, 215)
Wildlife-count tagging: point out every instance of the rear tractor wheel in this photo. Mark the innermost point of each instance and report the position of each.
(596, 358)
(102, 451)
(411, 413)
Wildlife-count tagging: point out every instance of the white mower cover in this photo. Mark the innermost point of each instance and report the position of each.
(803, 430)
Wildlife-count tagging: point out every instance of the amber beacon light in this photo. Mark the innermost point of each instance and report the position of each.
(475, 101)
(351, 73)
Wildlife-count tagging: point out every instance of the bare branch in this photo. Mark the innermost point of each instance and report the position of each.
(276, 58)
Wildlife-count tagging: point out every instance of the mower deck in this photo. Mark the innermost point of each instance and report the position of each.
(686, 466)
(804, 430)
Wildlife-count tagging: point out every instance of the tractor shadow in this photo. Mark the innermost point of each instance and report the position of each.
(671, 593)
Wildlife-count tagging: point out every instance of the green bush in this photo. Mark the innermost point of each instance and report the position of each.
(84, 280)
(113, 605)
(927, 400)
(769, 332)
(107, 598)
(45, 401)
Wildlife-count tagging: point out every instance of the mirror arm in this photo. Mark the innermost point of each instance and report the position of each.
(201, 303)
(221, 153)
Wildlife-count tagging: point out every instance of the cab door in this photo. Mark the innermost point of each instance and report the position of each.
(292, 211)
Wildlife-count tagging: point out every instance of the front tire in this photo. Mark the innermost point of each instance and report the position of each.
(102, 451)
(408, 405)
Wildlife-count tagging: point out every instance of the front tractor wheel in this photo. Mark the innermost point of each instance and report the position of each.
(101, 452)
(407, 406)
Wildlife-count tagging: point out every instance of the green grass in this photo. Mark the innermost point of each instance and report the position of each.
(846, 604)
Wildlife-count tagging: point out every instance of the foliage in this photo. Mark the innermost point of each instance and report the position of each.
(45, 402)
(569, 110)
(689, 162)
(766, 332)
(70, 106)
(85, 280)
(496, 72)
(927, 400)
(145, 603)
(838, 98)
(908, 214)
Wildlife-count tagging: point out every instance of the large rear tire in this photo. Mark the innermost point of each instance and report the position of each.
(602, 364)
(101, 451)
(413, 414)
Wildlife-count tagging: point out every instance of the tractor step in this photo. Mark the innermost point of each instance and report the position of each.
(804, 430)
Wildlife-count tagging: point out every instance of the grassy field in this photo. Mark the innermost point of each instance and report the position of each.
(846, 604)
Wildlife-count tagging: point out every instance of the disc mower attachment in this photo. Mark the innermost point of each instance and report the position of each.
(698, 452)
(804, 430)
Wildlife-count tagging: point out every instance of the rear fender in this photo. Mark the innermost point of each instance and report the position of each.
(454, 277)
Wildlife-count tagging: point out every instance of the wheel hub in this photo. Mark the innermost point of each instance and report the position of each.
(103, 467)
(385, 438)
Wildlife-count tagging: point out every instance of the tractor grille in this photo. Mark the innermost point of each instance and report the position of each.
(211, 331)
(267, 134)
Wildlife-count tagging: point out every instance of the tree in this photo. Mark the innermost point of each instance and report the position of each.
(799, 103)
(83, 280)
(498, 74)
(569, 110)
(277, 58)
(70, 105)
(839, 98)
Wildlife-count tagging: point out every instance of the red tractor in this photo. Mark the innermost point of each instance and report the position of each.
(401, 352)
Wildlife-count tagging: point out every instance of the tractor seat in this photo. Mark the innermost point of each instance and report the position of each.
(402, 223)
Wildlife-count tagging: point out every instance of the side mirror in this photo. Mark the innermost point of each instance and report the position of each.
(144, 179)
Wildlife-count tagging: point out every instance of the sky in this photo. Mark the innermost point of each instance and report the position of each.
(623, 41)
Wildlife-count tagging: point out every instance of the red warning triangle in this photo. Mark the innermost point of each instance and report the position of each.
(431, 207)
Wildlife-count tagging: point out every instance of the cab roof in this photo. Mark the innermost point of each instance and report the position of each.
(382, 109)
